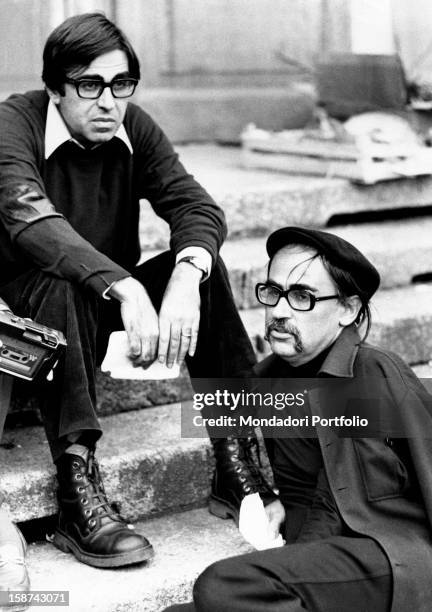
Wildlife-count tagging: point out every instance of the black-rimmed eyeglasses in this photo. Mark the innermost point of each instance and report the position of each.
(298, 299)
(91, 89)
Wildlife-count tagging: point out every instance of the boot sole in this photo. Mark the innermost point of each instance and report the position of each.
(23, 586)
(15, 608)
(64, 543)
(222, 509)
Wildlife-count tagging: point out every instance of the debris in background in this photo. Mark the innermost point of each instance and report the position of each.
(367, 148)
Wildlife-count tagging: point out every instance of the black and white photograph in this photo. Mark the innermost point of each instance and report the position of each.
(216, 305)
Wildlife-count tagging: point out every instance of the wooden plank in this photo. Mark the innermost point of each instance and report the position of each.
(366, 171)
(297, 142)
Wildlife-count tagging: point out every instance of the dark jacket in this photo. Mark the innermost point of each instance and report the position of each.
(76, 214)
(366, 477)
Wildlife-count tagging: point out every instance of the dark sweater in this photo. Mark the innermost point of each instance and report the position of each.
(297, 464)
(76, 214)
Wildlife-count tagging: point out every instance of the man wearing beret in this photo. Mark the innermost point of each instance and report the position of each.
(355, 508)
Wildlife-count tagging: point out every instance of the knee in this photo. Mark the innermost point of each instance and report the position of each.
(211, 587)
(216, 589)
(64, 290)
(43, 290)
(63, 297)
(60, 304)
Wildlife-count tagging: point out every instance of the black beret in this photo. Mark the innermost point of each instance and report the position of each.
(337, 251)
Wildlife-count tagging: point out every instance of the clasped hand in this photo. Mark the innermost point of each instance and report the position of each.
(172, 334)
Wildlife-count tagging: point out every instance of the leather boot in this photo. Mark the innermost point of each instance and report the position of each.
(237, 474)
(88, 526)
(13, 569)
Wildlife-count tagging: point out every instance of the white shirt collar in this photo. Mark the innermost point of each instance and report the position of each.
(57, 133)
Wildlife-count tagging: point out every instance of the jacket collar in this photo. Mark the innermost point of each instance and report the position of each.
(57, 133)
(340, 361)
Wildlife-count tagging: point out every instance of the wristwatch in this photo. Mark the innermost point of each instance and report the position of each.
(194, 261)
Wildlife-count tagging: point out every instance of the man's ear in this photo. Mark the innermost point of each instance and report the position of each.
(351, 307)
(54, 95)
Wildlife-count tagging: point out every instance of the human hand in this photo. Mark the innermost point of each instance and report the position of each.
(276, 516)
(140, 320)
(179, 315)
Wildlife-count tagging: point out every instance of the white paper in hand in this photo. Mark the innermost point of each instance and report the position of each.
(118, 364)
(254, 524)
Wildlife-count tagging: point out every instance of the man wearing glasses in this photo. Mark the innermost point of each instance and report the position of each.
(75, 160)
(355, 505)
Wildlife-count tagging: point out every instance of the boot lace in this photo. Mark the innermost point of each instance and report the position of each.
(250, 457)
(99, 505)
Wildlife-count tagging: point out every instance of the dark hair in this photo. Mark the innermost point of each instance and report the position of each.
(346, 286)
(76, 42)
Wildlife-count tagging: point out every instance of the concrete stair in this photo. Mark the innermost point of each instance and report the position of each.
(401, 250)
(257, 202)
(145, 463)
(147, 466)
(184, 544)
(149, 470)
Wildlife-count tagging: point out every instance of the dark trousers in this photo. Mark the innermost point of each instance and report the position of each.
(68, 404)
(337, 574)
(325, 567)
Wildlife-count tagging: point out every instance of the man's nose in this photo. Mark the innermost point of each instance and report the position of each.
(106, 99)
(282, 310)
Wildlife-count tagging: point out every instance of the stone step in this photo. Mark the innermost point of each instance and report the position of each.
(114, 396)
(402, 322)
(147, 467)
(145, 463)
(257, 202)
(401, 250)
(185, 544)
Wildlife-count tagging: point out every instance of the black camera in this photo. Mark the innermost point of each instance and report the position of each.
(28, 350)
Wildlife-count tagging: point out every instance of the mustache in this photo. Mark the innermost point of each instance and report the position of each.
(284, 326)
